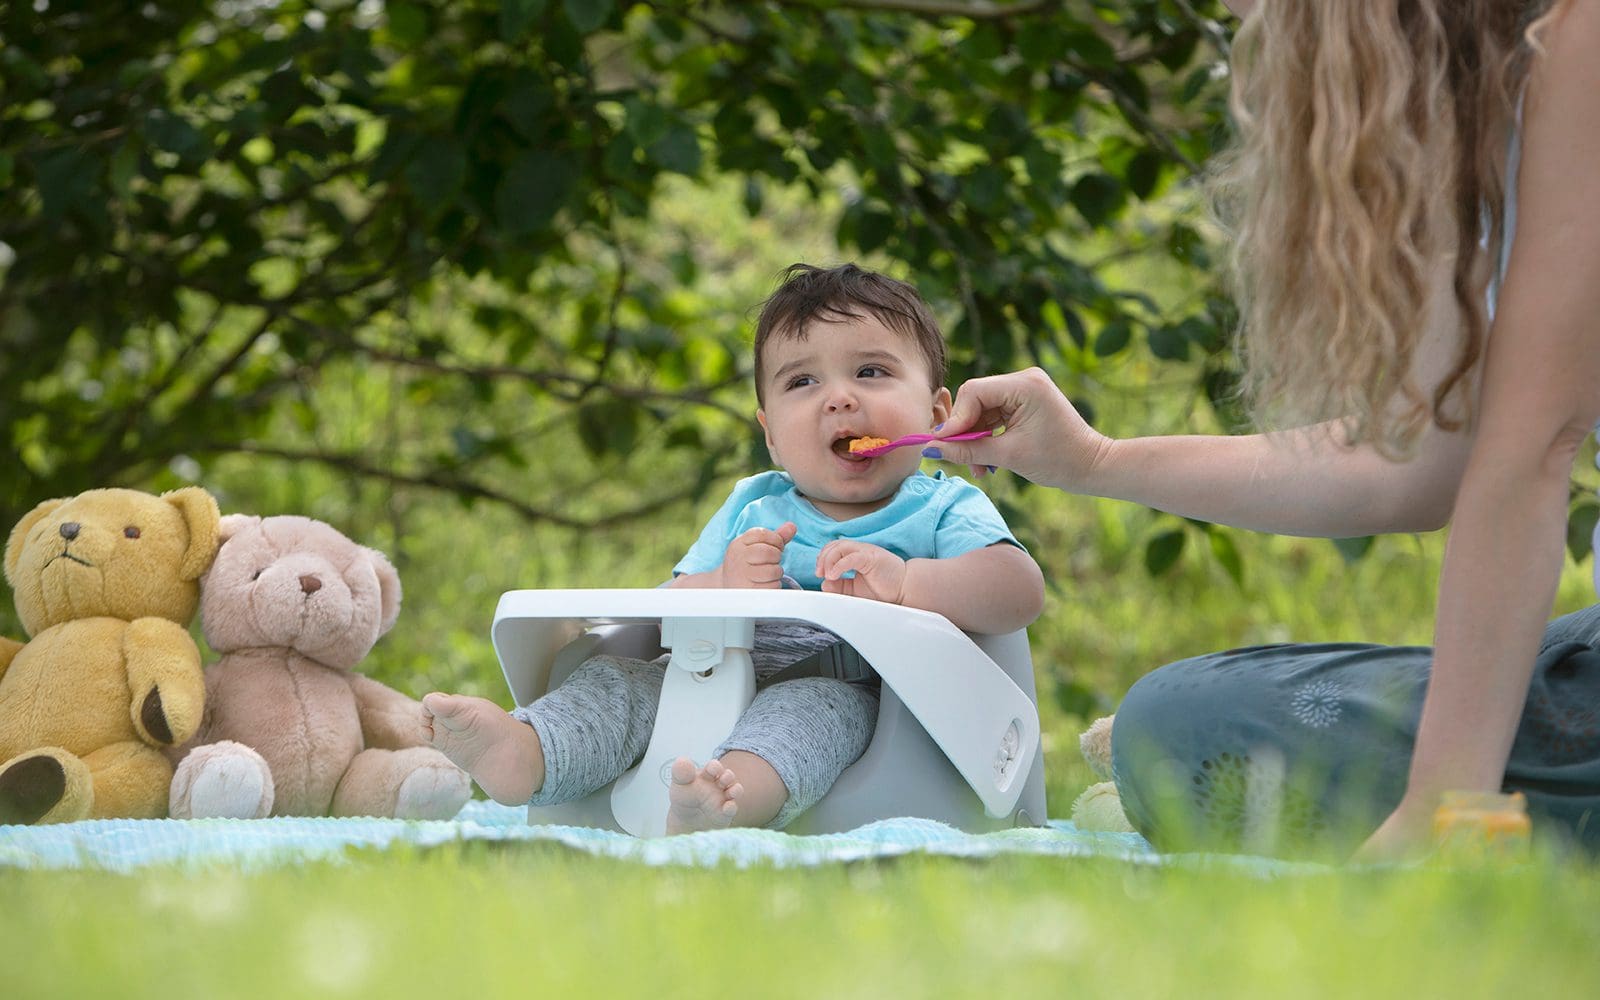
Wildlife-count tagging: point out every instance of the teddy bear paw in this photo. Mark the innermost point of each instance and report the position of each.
(224, 780)
(1099, 810)
(433, 791)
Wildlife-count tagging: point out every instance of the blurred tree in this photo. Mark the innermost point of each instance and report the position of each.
(205, 203)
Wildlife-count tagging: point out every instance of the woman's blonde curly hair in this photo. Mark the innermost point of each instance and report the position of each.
(1372, 146)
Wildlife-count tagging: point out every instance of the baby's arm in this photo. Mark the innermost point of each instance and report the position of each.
(753, 560)
(991, 590)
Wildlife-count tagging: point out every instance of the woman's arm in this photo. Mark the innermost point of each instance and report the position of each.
(1297, 482)
(1540, 400)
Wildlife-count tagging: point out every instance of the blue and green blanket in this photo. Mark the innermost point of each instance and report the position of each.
(126, 845)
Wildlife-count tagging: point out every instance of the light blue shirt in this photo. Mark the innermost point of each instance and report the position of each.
(929, 517)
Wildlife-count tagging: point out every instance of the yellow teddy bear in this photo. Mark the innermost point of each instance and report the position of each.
(106, 583)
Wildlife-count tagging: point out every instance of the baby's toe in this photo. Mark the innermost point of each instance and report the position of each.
(683, 771)
(726, 779)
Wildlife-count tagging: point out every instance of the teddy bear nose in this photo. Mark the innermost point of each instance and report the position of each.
(310, 584)
(69, 531)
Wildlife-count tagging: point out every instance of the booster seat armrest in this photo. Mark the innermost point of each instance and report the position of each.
(979, 717)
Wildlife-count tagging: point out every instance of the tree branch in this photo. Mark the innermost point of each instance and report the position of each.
(439, 479)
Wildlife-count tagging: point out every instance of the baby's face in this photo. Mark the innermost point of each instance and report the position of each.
(848, 378)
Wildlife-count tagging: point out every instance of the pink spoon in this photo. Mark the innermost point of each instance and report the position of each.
(911, 439)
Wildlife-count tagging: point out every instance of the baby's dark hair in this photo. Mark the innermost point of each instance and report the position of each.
(847, 291)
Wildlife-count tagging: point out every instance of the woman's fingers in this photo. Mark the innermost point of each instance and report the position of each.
(1045, 440)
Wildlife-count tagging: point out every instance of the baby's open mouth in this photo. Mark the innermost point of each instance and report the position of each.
(842, 445)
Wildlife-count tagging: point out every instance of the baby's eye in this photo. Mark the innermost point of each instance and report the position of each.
(872, 371)
(798, 381)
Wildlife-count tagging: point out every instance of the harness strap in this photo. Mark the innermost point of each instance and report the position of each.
(838, 661)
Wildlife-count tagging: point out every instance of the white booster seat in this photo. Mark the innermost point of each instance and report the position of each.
(957, 738)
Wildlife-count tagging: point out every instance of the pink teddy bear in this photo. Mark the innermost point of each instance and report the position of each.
(292, 605)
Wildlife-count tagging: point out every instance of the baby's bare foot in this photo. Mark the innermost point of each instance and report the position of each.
(501, 753)
(701, 799)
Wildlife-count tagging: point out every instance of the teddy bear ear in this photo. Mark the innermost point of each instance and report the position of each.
(233, 524)
(199, 510)
(19, 534)
(388, 589)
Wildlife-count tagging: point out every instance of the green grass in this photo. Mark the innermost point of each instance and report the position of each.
(535, 921)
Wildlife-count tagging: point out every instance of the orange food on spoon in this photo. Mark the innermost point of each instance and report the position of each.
(866, 443)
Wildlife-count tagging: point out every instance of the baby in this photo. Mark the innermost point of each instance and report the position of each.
(840, 354)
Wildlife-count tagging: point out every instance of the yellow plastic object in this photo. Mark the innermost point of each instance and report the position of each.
(1482, 825)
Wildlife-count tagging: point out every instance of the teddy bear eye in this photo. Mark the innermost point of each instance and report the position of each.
(130, 531)
(256, 575)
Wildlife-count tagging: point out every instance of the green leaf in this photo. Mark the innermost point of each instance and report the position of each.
(1144, 172)
(124, 167)
(408, 23)
(587, 16)
(1353, 549)
(1580, 529)
(1076, 698)
(527, 103)
(533, 190)
(645, 120)
(175, 135)
(678, 150)
(1168, 343)
(1226, 553)
(1089, 48)
(1075, 328)
(872, 229)
(66, 181)
(1112, 338)
(1163, 551)
(516, 16)
(1097, 197)
(436, 172)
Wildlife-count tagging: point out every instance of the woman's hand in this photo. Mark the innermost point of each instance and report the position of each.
(755, 558)
(879, 574)
(1407, 833)
(1045, 439)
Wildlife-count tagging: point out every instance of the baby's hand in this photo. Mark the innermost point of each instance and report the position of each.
(755, 558)
(880, 574)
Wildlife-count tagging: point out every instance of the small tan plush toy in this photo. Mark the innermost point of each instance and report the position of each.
(293, 605)
(1099, 808)
(106, 583)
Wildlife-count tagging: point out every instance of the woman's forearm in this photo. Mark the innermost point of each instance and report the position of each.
(1299, 482)
(1501, 569)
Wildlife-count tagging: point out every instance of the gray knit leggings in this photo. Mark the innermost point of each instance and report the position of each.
(597, 724)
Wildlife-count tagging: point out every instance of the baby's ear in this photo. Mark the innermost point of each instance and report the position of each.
(941, 406)
(761, 418)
